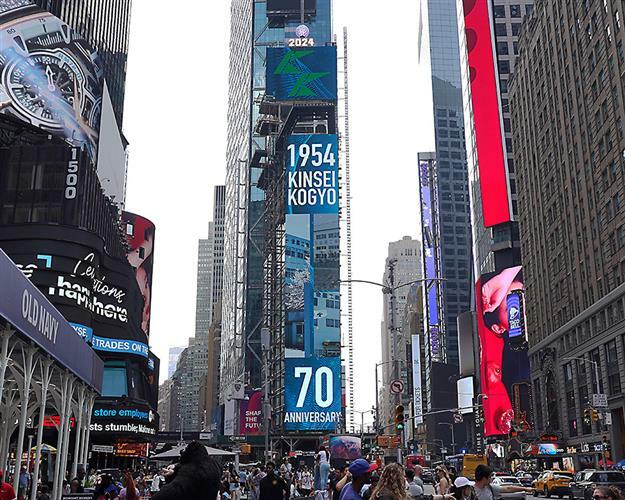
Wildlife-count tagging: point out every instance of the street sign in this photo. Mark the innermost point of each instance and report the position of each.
(443, 451)
(205, 436)
(608, 418)
(102, 448)
(237, 439)
(600, 400)
(397, 386)
(458, 418)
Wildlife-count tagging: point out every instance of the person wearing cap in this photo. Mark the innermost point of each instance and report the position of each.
(360, 471)
(484, 490)
(463, 489)
(6, 490)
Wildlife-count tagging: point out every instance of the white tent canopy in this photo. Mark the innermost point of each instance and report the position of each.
(175, 453)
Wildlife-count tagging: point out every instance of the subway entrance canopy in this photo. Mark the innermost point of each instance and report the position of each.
(45, 368)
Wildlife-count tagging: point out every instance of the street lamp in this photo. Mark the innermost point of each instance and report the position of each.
(362, 421)
(453, 438)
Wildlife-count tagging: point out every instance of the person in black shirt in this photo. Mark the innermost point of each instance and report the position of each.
(335, 478)
(272, 486)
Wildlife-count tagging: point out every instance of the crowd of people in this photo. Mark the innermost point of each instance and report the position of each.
(196, 476)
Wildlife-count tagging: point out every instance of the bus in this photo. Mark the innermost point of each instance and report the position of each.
(466, 464)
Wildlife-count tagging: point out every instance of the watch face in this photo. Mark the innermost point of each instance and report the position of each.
(50, 78)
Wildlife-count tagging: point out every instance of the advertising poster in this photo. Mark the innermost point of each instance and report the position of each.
(431, 264)
(302, 73)
(140, 237)
(51, 78)
(345, 447)
(312, 185)
(486, 116)
(251, 414)
(504, 363)
(417, 395)
(312, 397)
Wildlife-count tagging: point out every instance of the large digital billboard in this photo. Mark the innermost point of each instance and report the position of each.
(50, 78)
(312, 397)
(140, 237)
(417, 392)
(302, 74)
(504, 362)
(433, 303)
(489, 141)
(312, 185)
(290, 7)
(251, 414)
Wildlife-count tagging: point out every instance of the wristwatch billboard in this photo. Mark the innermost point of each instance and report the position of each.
(50, 77)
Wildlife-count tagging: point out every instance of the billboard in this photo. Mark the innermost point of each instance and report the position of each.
(312, 397)
(140, 237)
(302, 73)
(312, 185)
(290, 7)
(345, 447)
(433, 303)
(251, 414)
(504, 362)
(489, 142)
(51, 77)
(417, 395)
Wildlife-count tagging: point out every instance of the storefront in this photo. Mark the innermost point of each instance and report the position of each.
(49, 378)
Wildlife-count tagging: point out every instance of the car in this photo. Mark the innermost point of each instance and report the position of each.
(526, 478)
(427, 475)
(552, 482)
(586, 481)
(509, 481)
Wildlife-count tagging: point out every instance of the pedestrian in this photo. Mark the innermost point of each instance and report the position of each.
(129, 491)
(338, 479)
(23, 483)
(272, 486)
(463, 489)
(418, 470)
(323, 466)
(306, 482)
(360, 471)
(607, 493)
(105, 488)
(443, 483)
(75, 486)
(155, 486)
(257, 477)
(484, 490)
(6, 490)
(196, 478)
(44, 492)
(392, 484)
(415, 490)
(233, 482)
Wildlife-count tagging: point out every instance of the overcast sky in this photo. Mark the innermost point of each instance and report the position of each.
(175, 120)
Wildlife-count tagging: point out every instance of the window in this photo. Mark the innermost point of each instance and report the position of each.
(614, 384)
(515, 11)
(500, 11)
(610, 352)
(114, 381)
(502, 48)
(504, 67)
(516, 29)
(501, 29)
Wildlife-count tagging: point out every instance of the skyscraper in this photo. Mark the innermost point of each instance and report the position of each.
(567, 106)
(403, 266)
(172, 360)
(252, 31)
(105, 24)
(217, 236)
(439, 57)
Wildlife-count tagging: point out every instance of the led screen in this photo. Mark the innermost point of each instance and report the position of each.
(301, 74)
(416, 379)
(345, 447)
(250, 414)
(289, 6)
(50, 78)
(312, 174)
(140, 237)
(504, 362)
(312, 397)
(486, 114)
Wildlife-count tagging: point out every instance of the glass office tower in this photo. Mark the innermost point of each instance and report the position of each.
(252, 31)
(439, 57)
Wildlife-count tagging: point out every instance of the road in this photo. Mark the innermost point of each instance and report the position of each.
(429, 490)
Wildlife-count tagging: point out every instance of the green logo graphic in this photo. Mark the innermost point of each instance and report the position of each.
(288, 66)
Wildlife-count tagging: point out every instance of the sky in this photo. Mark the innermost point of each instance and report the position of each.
(175, 121)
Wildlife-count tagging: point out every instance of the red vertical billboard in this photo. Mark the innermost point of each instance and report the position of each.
(486, 114)
(140, 237)
(504, 362)
(251, 414)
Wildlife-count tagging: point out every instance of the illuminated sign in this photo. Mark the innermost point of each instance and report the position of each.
(301, 73)
(251, 414)
(135, 450)
(312, 394)
(416, 379)
(489, 141)
(111, 345)
(51, 77)
(312, 185)
(504, 362)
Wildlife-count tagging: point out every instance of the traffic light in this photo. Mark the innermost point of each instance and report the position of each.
(587, 416)
(399, 418)
(595, 415)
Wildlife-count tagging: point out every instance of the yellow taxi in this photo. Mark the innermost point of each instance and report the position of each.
(552, 482)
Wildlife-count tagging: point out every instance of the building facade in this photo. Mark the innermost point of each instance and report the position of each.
(172, 360)
(570, 178)
(403, 266)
